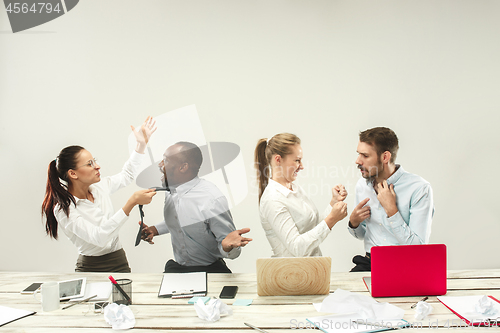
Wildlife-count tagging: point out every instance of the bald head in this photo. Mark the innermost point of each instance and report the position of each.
(189, 153)
(181, 163)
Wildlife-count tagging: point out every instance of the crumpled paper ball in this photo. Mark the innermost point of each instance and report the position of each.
(485, 306)
(422, 310)
(212, 310)
(120, 317)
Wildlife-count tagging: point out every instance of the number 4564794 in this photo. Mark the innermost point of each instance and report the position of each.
(35, 8)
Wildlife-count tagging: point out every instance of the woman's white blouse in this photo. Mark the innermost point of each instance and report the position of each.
(93, 226)
(292, 223)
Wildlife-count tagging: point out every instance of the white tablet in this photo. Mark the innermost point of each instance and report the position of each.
(70, 289)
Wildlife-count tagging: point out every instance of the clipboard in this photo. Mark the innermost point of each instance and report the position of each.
(464, 308)
(183, 285)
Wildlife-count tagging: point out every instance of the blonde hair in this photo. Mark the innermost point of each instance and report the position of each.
(280, 144)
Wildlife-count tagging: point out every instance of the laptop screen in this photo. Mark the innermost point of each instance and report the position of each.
(408, 270)
(293, 276)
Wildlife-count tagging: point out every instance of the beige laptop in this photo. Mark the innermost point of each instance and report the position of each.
(293, 276)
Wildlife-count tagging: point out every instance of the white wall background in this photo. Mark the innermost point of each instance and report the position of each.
(323, 70)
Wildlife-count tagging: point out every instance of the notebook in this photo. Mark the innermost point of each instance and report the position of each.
(407, 270)
(293, 276)
(183, 285)
(465, 308)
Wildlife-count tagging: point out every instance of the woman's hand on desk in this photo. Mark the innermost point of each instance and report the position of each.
(338, 212)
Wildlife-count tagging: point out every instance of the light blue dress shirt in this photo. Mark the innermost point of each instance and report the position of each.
(410, 225)
(197, 217)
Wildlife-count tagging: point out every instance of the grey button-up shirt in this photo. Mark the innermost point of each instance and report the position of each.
(197, 217)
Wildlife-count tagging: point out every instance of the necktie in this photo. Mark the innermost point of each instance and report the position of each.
(138, 238)
(139, 234)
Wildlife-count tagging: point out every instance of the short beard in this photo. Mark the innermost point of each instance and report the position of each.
(371, 179)
(379, 167)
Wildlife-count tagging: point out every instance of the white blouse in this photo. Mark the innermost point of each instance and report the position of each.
(292, 223)
(93, 226)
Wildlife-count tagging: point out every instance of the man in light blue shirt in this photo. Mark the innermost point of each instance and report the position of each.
(393, 207)
(196, 215)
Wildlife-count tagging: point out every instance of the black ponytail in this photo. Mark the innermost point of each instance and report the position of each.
(56, 192)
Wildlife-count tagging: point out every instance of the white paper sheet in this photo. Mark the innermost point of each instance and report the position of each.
(8, 314)
(465, 306)
(348, 323)
(365, 307)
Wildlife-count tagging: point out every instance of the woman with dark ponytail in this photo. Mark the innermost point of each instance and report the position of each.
(292, 223)
(78, 201)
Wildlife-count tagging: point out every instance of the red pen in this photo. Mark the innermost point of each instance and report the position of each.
(120, 289)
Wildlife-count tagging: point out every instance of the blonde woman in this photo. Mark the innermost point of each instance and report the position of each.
(293, 226)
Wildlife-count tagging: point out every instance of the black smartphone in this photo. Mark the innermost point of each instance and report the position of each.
(31, 288)
(228, 292)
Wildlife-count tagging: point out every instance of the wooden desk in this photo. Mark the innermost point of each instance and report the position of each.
(275, 314)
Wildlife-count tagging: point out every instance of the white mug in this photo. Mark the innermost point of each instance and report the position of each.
(50, 296)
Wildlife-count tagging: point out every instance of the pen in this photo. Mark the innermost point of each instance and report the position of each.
(422, 300)
(83, 300)
(120, 289)
(256, 328)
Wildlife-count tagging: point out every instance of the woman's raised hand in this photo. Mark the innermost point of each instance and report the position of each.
(144, 133)
(339, 193)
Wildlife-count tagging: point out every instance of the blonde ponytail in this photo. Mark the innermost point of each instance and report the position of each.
(280, 144)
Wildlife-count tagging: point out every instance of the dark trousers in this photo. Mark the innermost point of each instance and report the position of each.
(114, 262)
(363, 263)
(219, 266)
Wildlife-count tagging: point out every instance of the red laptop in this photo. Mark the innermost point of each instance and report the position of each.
(407, 270)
